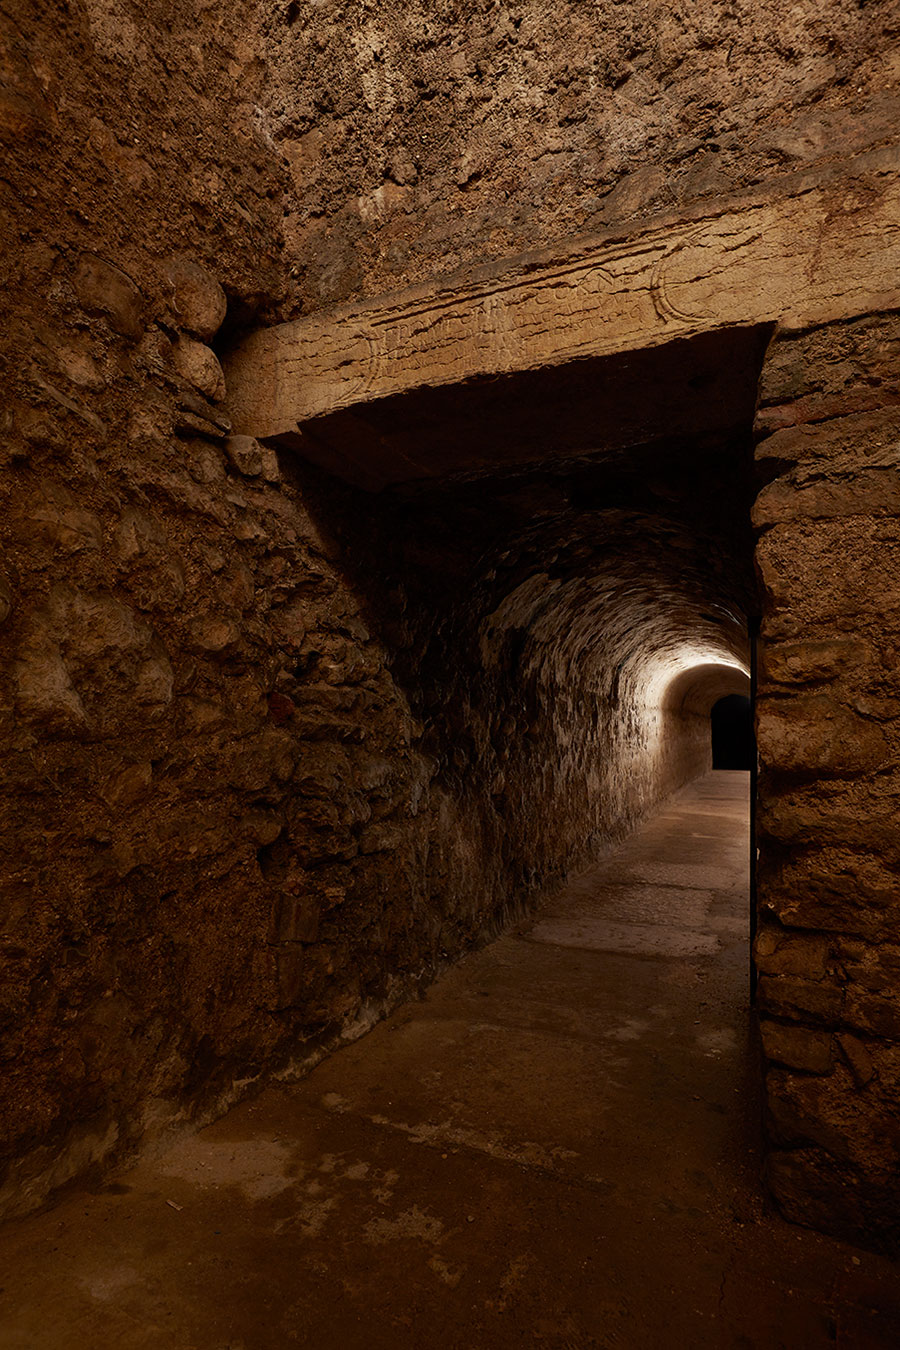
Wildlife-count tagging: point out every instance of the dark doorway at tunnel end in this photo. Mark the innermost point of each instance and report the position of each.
(731, 723)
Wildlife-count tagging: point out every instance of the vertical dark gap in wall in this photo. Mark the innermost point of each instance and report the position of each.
(753, 636)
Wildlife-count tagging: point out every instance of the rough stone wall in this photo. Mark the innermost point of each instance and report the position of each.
(423, 136)
(829, 738)
(196, 722)
(225, 835)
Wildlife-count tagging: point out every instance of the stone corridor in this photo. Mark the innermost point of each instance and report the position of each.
(557, 1147)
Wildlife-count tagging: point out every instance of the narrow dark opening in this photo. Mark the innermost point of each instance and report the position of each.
(732, 733)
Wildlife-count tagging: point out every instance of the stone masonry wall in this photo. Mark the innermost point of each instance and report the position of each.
(226, 837)
(829, 742)
(205, 762)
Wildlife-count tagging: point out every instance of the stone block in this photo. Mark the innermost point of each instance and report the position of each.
(127, 786)
(810, 661)
(154, 682)
(271, 470)
(196, 416)
(812, 734)
(44, 691)
(197, 299)
(796, 1047)
(858, 1058)
(382, 837)
(261, 826)
(199, 365)
(876, 492)
(245, 454)
(872, 1013)
(876, 969)
(67, 527)
(827, 572)
(778, 953)
(787, 996)
(214, 634)
(267, 757)
(810, 1188)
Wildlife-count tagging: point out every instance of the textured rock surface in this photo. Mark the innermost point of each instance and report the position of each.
(829, 735)
(254, 785)
(431, 136)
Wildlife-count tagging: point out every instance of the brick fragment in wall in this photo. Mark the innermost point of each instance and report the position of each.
(797, 1047)
(295, 918)
(779, 953)
(813, 734)
(788, 996)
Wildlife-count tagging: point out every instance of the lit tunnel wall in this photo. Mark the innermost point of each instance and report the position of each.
(562, 633)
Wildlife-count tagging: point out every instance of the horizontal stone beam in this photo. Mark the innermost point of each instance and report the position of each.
(815, 254)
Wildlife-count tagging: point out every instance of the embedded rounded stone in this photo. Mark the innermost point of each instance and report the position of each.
(103, 288)
(199, 365)
(197, 298)
(245, 454)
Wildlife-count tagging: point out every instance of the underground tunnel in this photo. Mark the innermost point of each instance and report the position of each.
(561, 564)
(422, 429)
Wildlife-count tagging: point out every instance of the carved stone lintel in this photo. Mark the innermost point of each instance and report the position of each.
(816, 254)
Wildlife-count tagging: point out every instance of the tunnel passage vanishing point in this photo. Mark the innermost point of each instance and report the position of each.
(602, 575)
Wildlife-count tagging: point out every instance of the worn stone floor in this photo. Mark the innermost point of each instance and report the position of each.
(556, 1148)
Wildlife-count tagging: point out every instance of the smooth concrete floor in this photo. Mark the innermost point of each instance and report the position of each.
(558, 1148)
